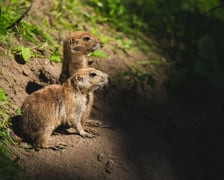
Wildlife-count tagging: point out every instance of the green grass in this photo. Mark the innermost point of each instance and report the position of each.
(3, 109)
(9, 168)
(31, 37)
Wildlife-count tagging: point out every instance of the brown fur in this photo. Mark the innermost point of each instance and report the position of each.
(46, 109)
(75, 49)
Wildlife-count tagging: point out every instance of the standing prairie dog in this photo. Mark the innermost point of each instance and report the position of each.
(46, 109)
(76, 47)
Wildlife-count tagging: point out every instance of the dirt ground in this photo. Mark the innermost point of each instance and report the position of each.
(141, 138)
(111, 155)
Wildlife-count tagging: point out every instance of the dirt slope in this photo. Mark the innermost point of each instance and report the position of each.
(104, 157)
(108, 156)
(141, 138)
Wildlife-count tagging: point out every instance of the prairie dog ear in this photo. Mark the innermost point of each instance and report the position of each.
(73, 42)
(79, 78)
(77, 81)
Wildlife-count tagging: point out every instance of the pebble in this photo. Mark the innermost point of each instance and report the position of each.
(109, 166)
(100, 157)
(25, 72)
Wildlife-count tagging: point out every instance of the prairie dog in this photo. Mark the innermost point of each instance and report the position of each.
(77, 45)
(75, 49)
(54, 105)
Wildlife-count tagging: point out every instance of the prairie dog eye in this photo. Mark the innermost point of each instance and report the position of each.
(92, 74)
(86, 38)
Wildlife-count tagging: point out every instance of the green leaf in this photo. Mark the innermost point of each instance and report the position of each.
(3, 97)
(3, 32)
(55, 58)
(26, 53)
(18, 111)
(99, 53)
(104, 39)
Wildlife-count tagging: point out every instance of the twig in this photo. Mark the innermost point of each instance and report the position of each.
(20, 18)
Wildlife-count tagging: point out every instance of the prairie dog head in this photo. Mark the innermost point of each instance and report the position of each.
(88, 79)
(80, 42)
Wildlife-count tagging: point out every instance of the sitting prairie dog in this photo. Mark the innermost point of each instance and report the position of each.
(77, 45)
(75, 49)
(44, 110)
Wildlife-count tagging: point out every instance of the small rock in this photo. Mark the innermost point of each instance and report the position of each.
(109, 166)
(25, 72)
(100, 157)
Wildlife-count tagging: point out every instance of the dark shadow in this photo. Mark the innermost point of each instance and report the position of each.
(17, 134)
(19, 59)
(32, 86)
(62, 129)
(15, 124)
(178, 139)
(43, 77)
